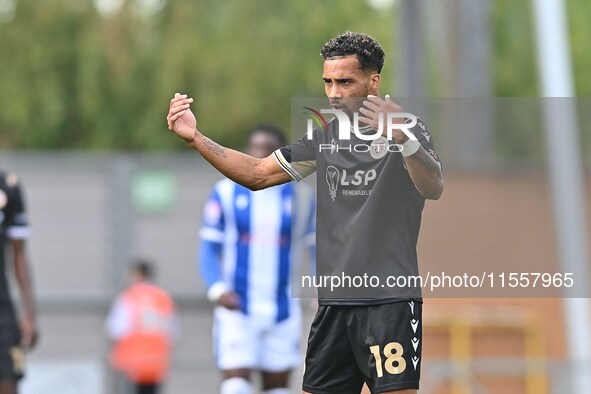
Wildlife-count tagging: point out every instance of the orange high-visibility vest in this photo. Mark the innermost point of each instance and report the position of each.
(143, 354)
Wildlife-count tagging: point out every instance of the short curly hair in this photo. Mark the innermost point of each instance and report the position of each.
(369, 52)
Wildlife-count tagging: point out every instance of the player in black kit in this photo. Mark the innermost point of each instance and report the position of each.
(371, 191)
(15, 338)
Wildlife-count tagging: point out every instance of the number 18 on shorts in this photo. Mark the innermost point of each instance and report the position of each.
(376, 344)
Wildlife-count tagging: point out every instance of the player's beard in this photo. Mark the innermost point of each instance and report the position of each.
(348, 105)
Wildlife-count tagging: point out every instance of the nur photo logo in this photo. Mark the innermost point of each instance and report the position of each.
(403, 121)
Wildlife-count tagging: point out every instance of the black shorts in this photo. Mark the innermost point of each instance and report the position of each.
(376, 344)
(12, 358)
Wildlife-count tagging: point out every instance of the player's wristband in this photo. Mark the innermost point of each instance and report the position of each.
(216, 290)
(410, 147)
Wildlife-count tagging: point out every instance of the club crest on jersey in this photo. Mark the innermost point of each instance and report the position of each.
(379, 148)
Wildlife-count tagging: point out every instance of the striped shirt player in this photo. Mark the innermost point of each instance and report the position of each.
(249, 244)
(246, 247)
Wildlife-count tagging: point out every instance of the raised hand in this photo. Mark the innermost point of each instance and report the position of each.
(373, 106)
(181, 119)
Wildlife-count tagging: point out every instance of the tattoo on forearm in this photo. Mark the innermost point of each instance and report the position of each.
(427, 161)
(214, 147)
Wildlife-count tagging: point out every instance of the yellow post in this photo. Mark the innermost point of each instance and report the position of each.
(461, 349)
(536, 379)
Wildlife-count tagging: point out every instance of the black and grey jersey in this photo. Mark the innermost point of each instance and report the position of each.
(13, 225)
(368, 213)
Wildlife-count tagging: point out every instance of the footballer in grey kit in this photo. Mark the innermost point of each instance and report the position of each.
(367, 178)
(369, 212)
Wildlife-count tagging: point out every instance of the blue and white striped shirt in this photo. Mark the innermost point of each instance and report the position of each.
(247, 240)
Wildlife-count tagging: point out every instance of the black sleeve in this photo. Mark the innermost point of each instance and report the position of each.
(425, 138)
